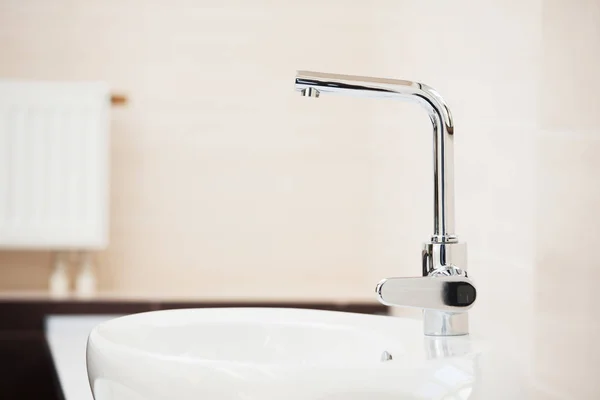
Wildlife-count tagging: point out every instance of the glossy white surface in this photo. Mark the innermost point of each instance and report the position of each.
(287, 353)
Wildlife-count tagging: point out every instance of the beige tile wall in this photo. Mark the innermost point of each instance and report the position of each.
(567, 270)
(567, 213)
(224, 181)
(220, 171)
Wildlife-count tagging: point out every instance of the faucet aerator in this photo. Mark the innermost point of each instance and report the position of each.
(310, 92)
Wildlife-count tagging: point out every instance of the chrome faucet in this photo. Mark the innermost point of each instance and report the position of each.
(444, 292)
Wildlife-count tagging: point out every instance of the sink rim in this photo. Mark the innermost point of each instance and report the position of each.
(386, 327)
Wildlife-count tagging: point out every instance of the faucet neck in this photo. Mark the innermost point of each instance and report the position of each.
(441, 119)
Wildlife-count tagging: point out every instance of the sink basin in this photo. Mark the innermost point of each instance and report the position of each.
(269, 353)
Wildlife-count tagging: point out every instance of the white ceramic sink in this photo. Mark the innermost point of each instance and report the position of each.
(266, 353)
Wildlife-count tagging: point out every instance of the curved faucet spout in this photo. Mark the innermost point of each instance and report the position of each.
(314, 84)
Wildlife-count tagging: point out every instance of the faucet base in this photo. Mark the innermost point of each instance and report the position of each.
(444, 259)
(440, 323)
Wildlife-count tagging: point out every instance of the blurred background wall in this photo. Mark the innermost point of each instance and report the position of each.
(221, 174)
(225, 183)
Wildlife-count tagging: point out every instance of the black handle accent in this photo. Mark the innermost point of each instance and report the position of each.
(459, 294)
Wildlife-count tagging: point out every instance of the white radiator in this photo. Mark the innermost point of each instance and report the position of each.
(54, 149)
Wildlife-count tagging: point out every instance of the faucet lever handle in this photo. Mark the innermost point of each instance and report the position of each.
(446, 293)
